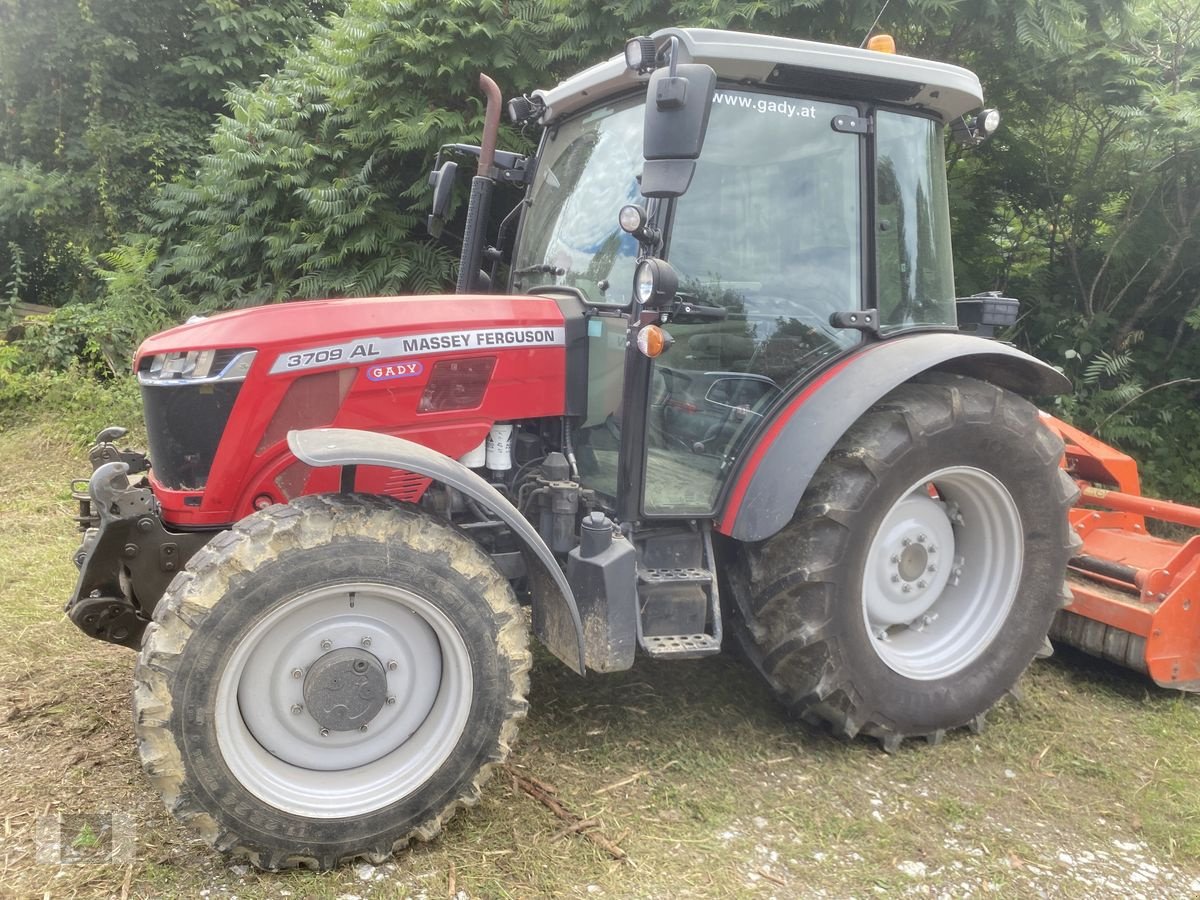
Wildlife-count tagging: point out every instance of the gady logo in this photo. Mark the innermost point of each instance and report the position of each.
(388, 371)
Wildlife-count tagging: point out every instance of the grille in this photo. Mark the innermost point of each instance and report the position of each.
(185, 424)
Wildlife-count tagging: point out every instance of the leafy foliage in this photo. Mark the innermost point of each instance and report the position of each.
(103, 101)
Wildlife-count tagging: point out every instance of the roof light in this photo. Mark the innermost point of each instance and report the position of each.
(882, 43)
(640, 54)
(987, 122)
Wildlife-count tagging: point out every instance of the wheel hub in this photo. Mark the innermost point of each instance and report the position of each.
(345, 689)
(908, 573)
(913, 560)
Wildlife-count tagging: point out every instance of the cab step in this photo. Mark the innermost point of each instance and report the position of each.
(679, 607)
(680, 646)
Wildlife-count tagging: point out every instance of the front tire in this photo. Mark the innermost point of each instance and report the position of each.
(921, 572)
(330, 679)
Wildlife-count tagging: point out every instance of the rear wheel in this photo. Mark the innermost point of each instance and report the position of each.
(922, 570)
(330, 679)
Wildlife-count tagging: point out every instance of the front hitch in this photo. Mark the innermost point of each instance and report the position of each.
(127, 556)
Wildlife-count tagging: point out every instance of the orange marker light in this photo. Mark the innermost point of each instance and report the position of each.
(882, 43)
(652, 341)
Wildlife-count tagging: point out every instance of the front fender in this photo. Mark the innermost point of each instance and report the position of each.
(776, 469)
(555, 614)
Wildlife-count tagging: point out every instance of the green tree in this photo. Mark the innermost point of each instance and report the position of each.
(103, 101)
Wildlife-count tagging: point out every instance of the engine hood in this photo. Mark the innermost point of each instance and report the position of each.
(315, 323)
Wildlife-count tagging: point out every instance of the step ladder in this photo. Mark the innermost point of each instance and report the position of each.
(684, 587)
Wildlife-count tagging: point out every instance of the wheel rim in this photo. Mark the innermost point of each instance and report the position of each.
(942, 572)
(340, 645)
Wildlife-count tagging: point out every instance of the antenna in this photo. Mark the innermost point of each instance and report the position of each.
(882, 9)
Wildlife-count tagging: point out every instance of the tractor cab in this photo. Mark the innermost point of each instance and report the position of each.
(816, 218)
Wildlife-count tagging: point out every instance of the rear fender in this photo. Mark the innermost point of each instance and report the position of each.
(555, 614)
(776, 469)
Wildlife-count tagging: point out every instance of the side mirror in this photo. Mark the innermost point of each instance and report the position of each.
(678, 101)
(442, 181)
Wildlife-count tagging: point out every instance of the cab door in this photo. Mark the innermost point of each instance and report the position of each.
(771, 233)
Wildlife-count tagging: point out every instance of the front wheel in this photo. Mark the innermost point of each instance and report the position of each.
(922, 570)
(330, 679)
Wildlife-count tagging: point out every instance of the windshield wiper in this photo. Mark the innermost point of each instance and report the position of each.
(541, 269)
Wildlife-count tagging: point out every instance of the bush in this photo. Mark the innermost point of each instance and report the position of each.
(74, 404)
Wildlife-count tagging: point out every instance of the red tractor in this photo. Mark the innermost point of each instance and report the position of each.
(724, 390)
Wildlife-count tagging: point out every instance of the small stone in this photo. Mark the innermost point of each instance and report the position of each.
(364, 871)
(239, 870)
(912, 868)
(1009, 773)
(760, 823)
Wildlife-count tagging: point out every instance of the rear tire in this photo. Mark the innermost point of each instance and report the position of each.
(329, 680)
(922, 569)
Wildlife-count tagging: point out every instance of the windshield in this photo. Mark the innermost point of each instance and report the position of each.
(912, 222)
(587, 172)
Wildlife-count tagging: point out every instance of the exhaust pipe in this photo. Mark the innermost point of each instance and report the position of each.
(480, 203)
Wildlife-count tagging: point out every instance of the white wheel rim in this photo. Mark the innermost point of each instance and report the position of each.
(942, 572)
(279, 752)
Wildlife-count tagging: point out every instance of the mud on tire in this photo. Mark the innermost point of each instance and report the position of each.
(220, 710)
(816, 606)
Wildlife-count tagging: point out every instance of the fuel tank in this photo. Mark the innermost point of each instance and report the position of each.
(221, 393)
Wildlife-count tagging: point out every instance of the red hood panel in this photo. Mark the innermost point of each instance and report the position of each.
(366, 364)
(301, 324)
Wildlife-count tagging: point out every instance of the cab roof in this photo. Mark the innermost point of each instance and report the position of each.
(806, 67)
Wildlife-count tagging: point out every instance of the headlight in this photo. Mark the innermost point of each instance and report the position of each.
(631, 218)
(196, 366)
(654, 283)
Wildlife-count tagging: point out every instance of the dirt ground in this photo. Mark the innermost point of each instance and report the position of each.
(1087, 787)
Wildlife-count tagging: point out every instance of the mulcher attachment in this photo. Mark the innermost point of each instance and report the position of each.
(1135, 598)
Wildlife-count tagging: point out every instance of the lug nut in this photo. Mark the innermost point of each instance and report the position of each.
(393, 665)
(907, 542)
(391, 701)
(366, 642)
(931, 569)
(324, 732)
(907, 588)
(297, 673)
(921, 584)
(895, 558)
(362, 727)
(297, 709)
(895, 578)
(326, 645)
(921, 538)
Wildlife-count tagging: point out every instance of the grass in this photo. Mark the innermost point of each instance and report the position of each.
(1088, 787)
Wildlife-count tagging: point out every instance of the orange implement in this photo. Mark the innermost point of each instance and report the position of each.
(1135, 597)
